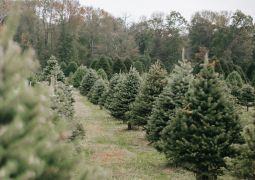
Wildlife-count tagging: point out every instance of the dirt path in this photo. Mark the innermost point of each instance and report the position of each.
(122, 154)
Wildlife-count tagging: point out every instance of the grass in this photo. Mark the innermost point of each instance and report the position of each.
(126, 155)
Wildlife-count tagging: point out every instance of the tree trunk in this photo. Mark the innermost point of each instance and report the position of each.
(205, 177)
(247, 108)
(129, 126)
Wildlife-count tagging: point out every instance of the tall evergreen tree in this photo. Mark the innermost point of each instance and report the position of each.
(127, 91)
(172, 97)
(103, 63)
(102, 74)
(204, 130)
(31, 147)
(151, 87)
(114, 81)
(71, 68)
(119, 66)
(247, 96)
(97, 91)
(88, 81)
(78, 75)
(52, 69)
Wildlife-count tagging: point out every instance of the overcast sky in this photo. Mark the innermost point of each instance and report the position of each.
(138, 8)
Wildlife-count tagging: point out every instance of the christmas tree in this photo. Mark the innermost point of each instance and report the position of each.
(151, 87)
(247, 96)
(205, 128)
(52, 69)
(101, 73)
(169, 100)
(78, 75)
(126, 94)
(97, 91)
(31, 147)
(88, 81)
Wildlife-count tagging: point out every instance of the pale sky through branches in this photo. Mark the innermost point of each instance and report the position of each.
(138, 8)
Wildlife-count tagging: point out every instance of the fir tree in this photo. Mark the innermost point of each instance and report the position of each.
(53, 70)
(243, 167)
(78, 75)
(169, 100)
(103, 63)
(97, 91)
(31, 147)
(139, 66)
(109, 96)
(88, 81)
(247, 96)
(127, 91)
(204, 130)
(71, 68)
(235, 83)
(119, 66)
(102, 74)
(151, 87)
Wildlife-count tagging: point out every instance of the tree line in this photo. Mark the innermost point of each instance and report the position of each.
(73, 32)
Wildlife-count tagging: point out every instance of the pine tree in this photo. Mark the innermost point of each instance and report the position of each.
(139, 66)
(109, 96)
(31, 147)
(53, 70)
(78, 75)
(88, 81)
(103, 63)
(169, 100)
(71, 68)
(235, 83)
(119, 66)
(151, 87)
(243, 166)
(102, 74)
(97, 91)
(204, 130)
(247, 96)
(127, 91)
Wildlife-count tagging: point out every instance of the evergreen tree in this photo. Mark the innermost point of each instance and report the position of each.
(204, 130)
(103, 63)
(127, 91)
(247, 96)
(78, 75)
(169, 100)
(94, 63)
(97, 91)
(139, 66)
(151, 87)
(31, 147)
(101, 73)
(109, 96)
(119, 66)
(88, 81)
(235, 83)
(128, 63)
(71, 68)
(243, 167)
(53, 70)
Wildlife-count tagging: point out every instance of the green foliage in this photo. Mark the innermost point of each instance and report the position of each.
(78, 132)
(151, 87)
(93, 64)
(52, 69)
(31, 147)
(204, 130)
(109, 96)
(97, 91)
(128, 63)
(104, 64)
(78, 76)
(234, 80)
(138, 65)
(247, 96)
(119, 66)
(171, 98)
(101, 73)
(71, 68)
(125, 94)
(62, 101)
(88, 81)
(243, 167)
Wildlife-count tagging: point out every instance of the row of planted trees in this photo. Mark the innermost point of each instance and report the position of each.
(36, 131)
(189, 117)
